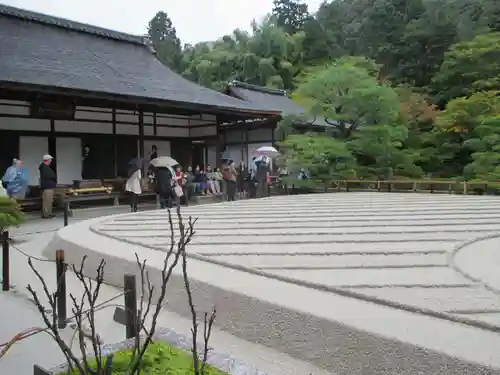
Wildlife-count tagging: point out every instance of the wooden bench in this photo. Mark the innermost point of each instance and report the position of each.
(86, 191)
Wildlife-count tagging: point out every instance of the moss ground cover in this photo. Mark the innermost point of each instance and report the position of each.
(159, 359)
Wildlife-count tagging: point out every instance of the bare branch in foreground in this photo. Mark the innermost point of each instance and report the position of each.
(199, 369)
(85, 307)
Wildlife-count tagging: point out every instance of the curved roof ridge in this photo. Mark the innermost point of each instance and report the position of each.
(266, 90)
(46, 19)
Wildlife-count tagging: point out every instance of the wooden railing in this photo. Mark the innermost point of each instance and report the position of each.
(431, 186)
(401, 185)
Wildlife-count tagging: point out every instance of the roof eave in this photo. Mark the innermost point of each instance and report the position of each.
(200, 108)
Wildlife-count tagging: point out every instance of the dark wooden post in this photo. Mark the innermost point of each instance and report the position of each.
(61, 289)
(5, 261)
(37, 370)
(130, 306)
(66, 212)
(141, 134)
(115, 147)
(218, 144)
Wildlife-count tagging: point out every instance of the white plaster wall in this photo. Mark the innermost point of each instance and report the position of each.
(83, 127)
(165, 120)
(235, 136)
(211, 155)
(235, 152)
(204, 131)
(31, 151)
(69, 160)
(29, 124)
(98, 114)
(260, 135)
(19, 108)
(127, 129)
(172, 132)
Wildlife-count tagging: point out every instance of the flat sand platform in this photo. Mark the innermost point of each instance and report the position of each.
(356, 283)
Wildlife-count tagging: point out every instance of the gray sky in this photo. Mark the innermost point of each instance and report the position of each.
(195, 20)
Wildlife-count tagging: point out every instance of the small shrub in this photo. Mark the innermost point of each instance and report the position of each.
(10, 213)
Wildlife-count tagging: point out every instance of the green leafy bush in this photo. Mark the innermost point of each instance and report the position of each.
(10, 213)
(159, 359)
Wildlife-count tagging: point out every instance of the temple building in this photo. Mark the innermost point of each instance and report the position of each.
(95, 98)
(80, 92)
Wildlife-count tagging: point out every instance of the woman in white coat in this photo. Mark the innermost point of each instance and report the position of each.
(133, 185)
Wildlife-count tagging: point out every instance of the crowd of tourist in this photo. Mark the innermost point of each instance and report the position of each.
(171, 184)
(229, 180)
(175, 184)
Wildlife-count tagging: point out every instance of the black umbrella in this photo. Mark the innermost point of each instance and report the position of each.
(136, 162)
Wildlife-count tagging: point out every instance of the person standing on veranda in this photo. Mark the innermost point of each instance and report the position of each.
(229, 174)
(48, 182)
(16, 180)
(133, 184)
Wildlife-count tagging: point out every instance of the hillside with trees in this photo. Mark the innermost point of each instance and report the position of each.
(411, 86)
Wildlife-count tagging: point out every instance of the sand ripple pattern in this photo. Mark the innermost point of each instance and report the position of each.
(394, 248)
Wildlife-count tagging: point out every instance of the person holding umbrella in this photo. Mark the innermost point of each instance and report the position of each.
(165, 179)
(261, 175)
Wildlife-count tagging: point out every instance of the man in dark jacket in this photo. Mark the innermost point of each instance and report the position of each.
(261, 177)
(48, 182)
(164, 186)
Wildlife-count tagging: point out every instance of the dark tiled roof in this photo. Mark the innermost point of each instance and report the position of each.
(270, 99)
(42, 50)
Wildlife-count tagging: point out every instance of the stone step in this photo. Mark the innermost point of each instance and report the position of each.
(319, 230)
(218, 237)
(335, 261)
(320, 249)
(421, 219)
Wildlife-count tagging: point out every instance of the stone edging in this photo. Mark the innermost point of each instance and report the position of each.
(339, 291)
(222, 361)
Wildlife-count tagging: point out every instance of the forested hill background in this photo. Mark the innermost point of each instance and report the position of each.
(411, 85)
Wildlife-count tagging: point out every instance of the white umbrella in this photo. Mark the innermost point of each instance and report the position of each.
(164, 161)
(268, 151)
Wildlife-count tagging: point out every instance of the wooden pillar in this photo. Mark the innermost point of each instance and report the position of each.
(242, 141)
(218, 144)
(115, 147)
(273, 140)
(249, 157)
(52, 146)
(141, 134)
(154, 124)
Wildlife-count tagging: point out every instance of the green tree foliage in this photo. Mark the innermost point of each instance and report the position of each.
(460, 130)
(348, 96)
(379, 150)
(165, 41)
(492, 14)
(470, 67)
(421, 48)
(325, 158)
(268, 57)
(485, 164)
(10, 213)
(406, 87)
(290, 15)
